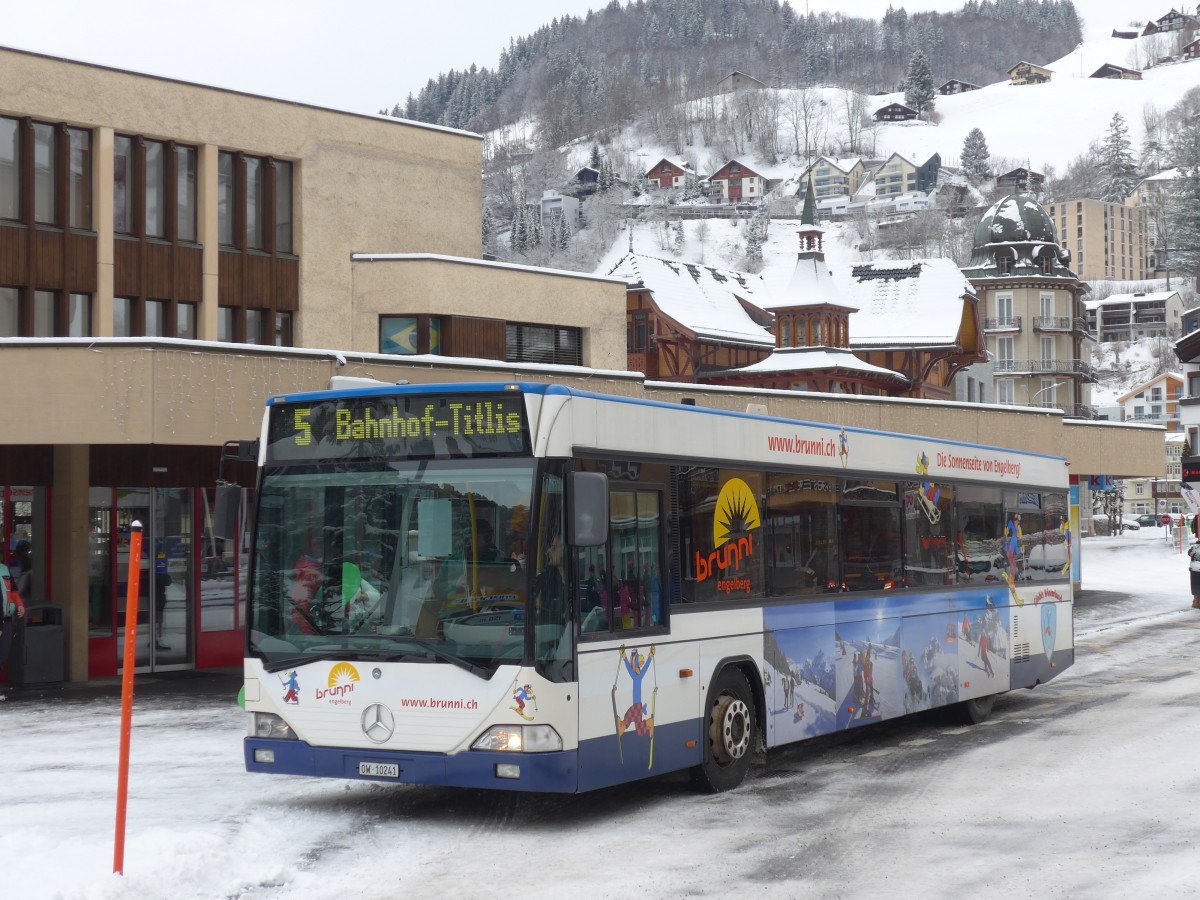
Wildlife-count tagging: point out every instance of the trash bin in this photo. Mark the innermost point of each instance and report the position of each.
(37, 654)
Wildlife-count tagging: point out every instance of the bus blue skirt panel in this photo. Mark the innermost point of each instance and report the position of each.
(538, 772)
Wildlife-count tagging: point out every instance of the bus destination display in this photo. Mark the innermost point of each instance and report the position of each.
(398, 427)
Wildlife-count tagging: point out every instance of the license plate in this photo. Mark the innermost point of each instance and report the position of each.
(379, 770)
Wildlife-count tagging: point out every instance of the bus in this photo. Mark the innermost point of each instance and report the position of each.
(537, 588)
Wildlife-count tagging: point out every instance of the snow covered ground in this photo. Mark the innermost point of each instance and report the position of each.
(1082, 788)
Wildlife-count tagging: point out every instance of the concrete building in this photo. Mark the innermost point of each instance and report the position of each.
(1034, 319)
(1127, 317)
(1108, 241)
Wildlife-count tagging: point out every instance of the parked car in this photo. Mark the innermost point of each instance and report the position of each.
(1127, 523)
(1147, 519)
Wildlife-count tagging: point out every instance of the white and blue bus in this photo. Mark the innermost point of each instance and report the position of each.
(536, 588)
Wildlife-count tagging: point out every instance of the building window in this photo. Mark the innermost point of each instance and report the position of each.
(154, 310)
(283, 329)
(283, 207)
(225, 323)
(398, 335)
(122, 317)
(43, 313)
(226, 205)
(1006, 392)
(10, 312)
(1003, 264)
(544, 343)
(122, 181)
(185, 193)
(1004, 309)
(10, 169)
(254, 326)
(156, 190)
(80, 184)
(255, 202)
(185, 321)
(44, 174)
(79, 315)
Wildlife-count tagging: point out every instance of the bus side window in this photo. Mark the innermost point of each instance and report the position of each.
(621, 584)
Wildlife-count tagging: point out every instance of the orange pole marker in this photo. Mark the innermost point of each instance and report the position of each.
(129, 661)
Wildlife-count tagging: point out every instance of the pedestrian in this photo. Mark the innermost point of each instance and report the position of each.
(11, 609)
(1194, 569)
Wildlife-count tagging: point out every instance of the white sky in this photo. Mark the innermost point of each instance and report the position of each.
(1084, 787)
(361, 55)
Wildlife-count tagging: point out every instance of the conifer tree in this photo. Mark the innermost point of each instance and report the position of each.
(975, 156)
(1183, 206)
(1118, 170)
(919, 90)
(678, 236)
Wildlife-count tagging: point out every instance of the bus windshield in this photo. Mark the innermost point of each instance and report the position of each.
(409, 561)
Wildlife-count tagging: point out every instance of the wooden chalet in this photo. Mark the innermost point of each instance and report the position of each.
(739, 81)
(1020, 180)
(1192, 50)
(954, 86)
(736, 182)
(1111, 70)
(670, 174)
(1027, 73)
(895, 112)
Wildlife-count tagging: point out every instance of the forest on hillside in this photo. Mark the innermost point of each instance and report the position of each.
(581, 75)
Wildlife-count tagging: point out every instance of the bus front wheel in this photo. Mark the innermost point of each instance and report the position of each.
(729, 731)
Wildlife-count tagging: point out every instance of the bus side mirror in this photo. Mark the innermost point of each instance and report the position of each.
(588, 496)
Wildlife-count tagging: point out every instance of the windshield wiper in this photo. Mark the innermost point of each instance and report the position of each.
(378, 653)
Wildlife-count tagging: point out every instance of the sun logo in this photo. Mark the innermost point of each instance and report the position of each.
(342, 673)
(736, 512)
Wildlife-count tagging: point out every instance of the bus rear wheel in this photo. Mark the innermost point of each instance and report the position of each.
(729, 733)
(977, 709)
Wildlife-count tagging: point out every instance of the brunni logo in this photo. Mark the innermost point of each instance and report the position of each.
(342, 679)
(735, 520)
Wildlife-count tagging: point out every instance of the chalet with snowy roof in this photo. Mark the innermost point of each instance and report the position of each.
(739, 81)
(670, 174)
(1192, 50)
(918, 317)
(587, 175)
(954, 86)
(1027, 73)
(1127, 317)
(1155, 402)
(736, 182)
(895, 112)
(684, 320)
(1020, 179)
(1126, 35)
(834, 177)
(1111, 70)
(812, 333)
(900, 175)
(1176, 21)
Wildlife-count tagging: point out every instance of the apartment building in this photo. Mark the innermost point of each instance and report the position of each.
(1108, 241)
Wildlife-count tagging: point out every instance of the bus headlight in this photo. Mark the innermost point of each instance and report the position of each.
(269, 725)
(519, 739)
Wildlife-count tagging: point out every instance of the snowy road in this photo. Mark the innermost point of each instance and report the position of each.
(1085, 787)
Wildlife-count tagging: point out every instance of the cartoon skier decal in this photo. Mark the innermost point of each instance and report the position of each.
(642, 720)
(844, 448)
(930, 493)
(521, 696)
(1012, 550)
(1049, 628)
(292, 685)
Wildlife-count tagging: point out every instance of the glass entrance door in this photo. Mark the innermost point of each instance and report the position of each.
(166, 616)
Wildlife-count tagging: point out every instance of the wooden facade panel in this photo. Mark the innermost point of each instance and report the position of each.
(120, 465)
(47, 258)
(156, 271)
(256, 280)
(479, 338)
(127, 268)
(189, 278)
(81, 263)
(287, 284)
(14, 259)
(229, 278)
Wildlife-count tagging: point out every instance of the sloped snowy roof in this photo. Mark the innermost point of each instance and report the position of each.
(700, 298)
(810, 285)
(1147, 385)
(912, 303)
(815, 359)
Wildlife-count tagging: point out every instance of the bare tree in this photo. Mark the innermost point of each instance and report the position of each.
(853, 106)
(806, 112)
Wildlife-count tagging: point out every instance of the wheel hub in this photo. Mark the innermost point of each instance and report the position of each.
(730, 731)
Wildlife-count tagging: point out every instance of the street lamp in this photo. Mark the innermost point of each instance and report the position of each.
(1033, 399)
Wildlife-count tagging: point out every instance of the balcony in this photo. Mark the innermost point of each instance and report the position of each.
(1053, 323)
(998, 324)
(1071, 367)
